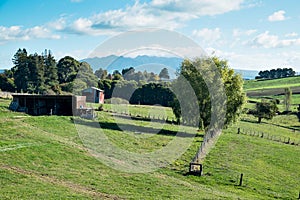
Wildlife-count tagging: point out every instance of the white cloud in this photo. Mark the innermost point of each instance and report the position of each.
(238, 32)
(277, 16)
(267, 40)
(17, 33)
(208, 35)
(58, 25)
(258, 61)
(167, 14)
(198, 8)
(293, 34)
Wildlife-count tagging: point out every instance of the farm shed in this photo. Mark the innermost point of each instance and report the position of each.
(47, 104)
(93, 95)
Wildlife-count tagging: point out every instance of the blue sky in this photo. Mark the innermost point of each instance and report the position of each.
(250, 34)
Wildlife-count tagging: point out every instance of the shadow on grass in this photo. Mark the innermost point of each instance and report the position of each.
(292, 128)
(147, 119)
(134, 128)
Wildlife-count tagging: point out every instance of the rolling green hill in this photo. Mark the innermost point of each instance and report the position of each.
(43, 158)
(273, 89)
(275, 83)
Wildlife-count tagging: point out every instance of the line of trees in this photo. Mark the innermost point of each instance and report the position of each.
(34, 73)
(130, 74)
(276, 73)
(123, 84)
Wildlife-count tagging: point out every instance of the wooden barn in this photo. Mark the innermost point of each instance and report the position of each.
(93, 95)
(47, 104)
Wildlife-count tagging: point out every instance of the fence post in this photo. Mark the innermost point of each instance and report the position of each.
(262, 135)
(241, 180)
(239, 130)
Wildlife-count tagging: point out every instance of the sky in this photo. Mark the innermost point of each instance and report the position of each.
(250, 34)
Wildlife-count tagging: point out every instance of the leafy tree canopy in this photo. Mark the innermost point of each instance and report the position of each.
(266, 110)
(199, 80)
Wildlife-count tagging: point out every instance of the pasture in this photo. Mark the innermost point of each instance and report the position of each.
(43, 157)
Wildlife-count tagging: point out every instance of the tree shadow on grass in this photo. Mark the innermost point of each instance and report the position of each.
(292, 128)
(134, 128)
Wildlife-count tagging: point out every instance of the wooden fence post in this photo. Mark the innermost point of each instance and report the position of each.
(241, 180)
(239, 130)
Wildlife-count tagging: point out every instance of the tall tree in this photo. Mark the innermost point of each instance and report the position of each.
(20, 70)
(127, 71)
(85, 78)
(36, 80)
(233, 85)
(51, 77)
(164, 74)
(67, 69)
(287, 99)
(101, 73)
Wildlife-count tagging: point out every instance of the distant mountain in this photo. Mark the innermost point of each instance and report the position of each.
(1, 71)
(247, 74)
(140, 63)
(149, 63)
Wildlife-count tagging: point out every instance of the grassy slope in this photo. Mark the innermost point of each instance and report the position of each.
(256, 90)
(275, 83)
(43, 158)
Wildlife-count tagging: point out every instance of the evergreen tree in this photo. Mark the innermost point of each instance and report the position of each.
(36, 80)
(20, 70)
(164, 74)
(51, 77)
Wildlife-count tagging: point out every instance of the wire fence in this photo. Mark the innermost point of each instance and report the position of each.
(268, 136)
(155, 118)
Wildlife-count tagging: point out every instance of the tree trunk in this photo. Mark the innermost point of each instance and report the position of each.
(259, 119)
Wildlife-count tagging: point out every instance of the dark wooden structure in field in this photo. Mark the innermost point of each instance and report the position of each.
(195, 169)
(93, 95)
(47, 104)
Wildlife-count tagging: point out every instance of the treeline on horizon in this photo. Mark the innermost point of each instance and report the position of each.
(276, 73)
(41, 74)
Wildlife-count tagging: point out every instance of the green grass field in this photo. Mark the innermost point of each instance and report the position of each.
(275, 83)
(257, 90)
(43, 158)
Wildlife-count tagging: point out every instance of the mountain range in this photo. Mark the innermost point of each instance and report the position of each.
(148, 63)
(140, 63)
